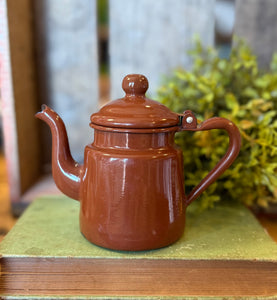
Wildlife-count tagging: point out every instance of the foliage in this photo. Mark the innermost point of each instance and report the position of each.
(235, 89)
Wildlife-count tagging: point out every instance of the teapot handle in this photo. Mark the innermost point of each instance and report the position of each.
(189, 122)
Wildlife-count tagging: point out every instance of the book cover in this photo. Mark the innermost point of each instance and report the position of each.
(224, 252)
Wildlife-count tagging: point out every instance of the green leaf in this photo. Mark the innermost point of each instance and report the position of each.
(236, 89)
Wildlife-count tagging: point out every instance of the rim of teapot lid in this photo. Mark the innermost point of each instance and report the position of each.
(135, 110)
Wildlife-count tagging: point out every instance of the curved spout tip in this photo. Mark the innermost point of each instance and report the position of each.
(66, 172)
(44, 108)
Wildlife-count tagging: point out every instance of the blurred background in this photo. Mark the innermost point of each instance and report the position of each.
(73, 54)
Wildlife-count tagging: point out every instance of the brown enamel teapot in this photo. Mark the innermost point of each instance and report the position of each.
(130, 186)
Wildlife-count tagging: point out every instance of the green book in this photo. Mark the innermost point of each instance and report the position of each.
(223, 254)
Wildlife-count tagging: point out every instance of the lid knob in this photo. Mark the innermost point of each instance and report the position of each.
(135, 84)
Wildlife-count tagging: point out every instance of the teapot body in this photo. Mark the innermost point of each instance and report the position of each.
(132, 194)
(131, 185)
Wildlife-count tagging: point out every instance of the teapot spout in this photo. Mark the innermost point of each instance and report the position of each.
(66, 171)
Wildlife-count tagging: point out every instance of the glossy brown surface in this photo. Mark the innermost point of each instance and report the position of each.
(140, 204)
(227, 159)
(135, 110)
(131, 184)
(66, 171)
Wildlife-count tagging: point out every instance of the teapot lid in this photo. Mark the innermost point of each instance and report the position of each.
(135, 110)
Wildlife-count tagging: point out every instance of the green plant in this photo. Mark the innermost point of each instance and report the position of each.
(236, 89)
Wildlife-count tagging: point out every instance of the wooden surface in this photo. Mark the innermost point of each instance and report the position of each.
(6, 219)
(22, 53)
(270, 225)
(257, 26)
(67, 60)
(153, 37)
(8, 116)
